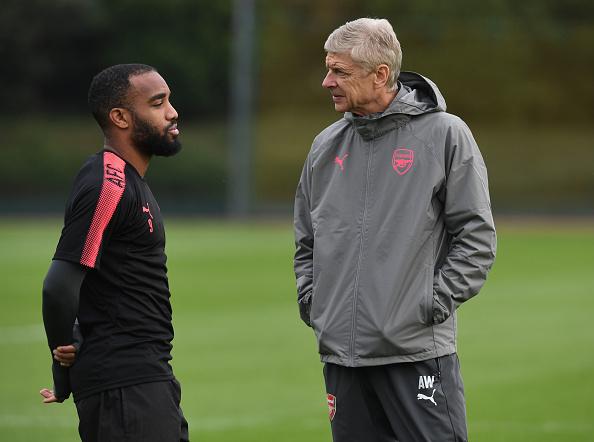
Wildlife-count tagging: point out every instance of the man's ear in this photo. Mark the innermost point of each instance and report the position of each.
(382, 73)
(120, 117)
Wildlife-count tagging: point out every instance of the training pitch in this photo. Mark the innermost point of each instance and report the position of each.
(249, 369)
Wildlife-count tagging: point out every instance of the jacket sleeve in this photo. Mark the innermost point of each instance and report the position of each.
(469, 224)
(304, 237)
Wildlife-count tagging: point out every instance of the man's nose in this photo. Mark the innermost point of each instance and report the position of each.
(171, 113)
(329, 81)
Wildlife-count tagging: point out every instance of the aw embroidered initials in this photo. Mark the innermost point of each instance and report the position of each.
(340, 161)
(426, 382)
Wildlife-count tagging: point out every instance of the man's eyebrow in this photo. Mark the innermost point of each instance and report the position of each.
(159, 96)
(337, 66)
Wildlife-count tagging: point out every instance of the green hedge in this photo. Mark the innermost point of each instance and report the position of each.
(531, 167)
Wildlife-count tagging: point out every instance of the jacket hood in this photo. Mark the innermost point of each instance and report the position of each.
(416, 95)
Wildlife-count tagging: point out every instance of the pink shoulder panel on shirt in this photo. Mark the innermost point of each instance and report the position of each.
(112, 189)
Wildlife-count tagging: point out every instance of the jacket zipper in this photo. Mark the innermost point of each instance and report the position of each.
(356, 290)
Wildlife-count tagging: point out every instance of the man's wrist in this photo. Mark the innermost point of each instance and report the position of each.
(61, 376)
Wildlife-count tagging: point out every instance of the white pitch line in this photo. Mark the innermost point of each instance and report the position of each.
(211, 424)
(206, 424)
(220, 423)
(20, 334)
(40, 421)
(539, 427)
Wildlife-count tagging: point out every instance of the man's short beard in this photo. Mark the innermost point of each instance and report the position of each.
(149, 141)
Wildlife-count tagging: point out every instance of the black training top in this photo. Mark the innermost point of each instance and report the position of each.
(113, 226)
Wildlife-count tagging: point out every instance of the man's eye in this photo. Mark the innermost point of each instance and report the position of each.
(157, 103)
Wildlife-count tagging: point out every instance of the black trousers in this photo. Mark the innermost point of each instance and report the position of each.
(405, 402)
(144, 412)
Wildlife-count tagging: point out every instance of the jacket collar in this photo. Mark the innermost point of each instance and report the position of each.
(375, 125)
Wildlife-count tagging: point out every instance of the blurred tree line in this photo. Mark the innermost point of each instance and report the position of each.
(52, 48)
(499, 63)
(495, 60)
(519, 55)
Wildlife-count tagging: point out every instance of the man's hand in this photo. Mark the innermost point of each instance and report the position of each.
(48, 396)
(65, 355)
(305, 307)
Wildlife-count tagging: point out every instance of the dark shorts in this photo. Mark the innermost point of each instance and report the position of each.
(144, 412)
(405, 402)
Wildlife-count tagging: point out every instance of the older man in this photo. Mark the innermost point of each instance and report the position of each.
(393, 231)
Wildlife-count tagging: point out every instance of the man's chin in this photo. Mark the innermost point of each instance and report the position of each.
(340, 108)
(171, 150)
(160, 149)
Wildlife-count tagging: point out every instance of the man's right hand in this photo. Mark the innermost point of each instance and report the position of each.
(65, 355)
(305, 308)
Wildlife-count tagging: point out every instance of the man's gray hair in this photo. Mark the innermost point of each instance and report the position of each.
(370, 42)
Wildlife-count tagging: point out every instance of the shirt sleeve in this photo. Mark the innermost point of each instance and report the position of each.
(88, 219)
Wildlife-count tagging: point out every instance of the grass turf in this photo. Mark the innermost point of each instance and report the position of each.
(249, 369)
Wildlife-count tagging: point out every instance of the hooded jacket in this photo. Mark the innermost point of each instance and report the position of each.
(393, 230)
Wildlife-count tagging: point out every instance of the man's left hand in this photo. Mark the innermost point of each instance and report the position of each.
(48, 396)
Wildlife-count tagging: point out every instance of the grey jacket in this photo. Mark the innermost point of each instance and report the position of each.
(393, 230)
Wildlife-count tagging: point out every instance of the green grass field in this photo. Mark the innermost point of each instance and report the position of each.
(249, 369)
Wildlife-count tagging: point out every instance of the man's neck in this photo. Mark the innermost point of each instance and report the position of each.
(385, 100)
(380, 104)
(131, 155)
